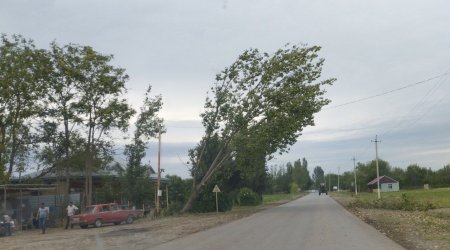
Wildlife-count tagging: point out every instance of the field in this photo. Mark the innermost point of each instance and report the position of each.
(416, 219)
(439, 198)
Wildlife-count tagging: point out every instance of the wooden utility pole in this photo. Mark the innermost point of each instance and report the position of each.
(338, 178)
(354, 171)
(158, 180)
(376, 162)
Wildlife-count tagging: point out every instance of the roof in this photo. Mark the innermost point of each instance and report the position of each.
(383, 179)
(111, 171)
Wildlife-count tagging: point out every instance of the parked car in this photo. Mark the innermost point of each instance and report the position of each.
(6, 226)
(100, 214)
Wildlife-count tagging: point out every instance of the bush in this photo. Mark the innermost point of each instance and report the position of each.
(174, 208)
(249, 198)
(405, 203)
(293, 188)
(207, 202)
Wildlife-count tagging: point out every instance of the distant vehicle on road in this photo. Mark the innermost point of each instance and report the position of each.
(323, 189)
(100, 214)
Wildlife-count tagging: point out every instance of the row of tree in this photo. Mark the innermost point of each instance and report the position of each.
(284, 178)
(60, 109)
(413, 177)
(257, 107)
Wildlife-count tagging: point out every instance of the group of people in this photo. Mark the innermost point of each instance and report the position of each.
(42, 217)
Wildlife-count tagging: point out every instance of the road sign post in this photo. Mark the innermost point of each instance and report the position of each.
(216, 190)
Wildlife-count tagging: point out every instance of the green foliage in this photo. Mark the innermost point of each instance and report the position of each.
(405, 202)
(248, 198)
(293, 188)
(274, 198)
(261, 100)
(413, 177)
(367, 172)
(23, 74)
(111, 191)
(179, 191)
(318, 176)
(300, 174)
(207, 202)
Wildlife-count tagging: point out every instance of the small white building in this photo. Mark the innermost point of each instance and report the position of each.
(387, 184)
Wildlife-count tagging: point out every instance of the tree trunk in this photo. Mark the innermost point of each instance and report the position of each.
(192, 198)
(67, 154)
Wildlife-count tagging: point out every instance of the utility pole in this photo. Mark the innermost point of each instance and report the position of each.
(329, 182)
(376, 162)
(158, 180)
(354, 171)
(338, 177)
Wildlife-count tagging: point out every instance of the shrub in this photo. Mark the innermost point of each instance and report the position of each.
(405, 203)
(249, 198)
(293, 188)
(207, 202)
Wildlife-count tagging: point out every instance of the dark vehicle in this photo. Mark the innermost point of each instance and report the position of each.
(6, 227)
(323, 189)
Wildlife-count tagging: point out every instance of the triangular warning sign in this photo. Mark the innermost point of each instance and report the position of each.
(216, 189)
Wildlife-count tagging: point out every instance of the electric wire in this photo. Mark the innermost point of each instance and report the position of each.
(386, 92)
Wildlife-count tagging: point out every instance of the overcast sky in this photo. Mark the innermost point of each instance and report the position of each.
(371, 47)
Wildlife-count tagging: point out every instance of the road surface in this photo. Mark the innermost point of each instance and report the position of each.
(311, 222)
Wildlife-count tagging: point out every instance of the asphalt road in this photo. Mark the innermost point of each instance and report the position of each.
(311, 222)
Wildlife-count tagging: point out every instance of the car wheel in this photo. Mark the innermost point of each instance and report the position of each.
(116, 223)
(130, 219)
(84, 226)
(98, 223)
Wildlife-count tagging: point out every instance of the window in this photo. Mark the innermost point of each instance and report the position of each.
(390, 185)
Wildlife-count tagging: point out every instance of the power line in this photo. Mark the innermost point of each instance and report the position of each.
(385, 93)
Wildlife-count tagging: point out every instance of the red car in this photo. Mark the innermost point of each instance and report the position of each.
(99, 214)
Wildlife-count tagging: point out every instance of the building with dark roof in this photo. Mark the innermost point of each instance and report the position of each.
(387, 184)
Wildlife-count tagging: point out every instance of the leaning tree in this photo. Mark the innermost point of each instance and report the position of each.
(263, 99)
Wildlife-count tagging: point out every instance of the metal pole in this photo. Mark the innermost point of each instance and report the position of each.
(354, 171)
(217, 204)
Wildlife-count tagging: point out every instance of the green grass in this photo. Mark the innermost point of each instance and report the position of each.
(440, 197)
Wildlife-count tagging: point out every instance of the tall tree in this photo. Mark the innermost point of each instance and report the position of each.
(300, 174)
(148, 125)
(23, 73)
(269, 97)
(61, 97)
(100, 107)
(318, 176)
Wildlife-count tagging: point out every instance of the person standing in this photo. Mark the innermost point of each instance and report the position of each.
(71, 208)
(43, 217)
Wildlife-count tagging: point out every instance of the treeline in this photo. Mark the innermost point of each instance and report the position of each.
(413, 177)
(289, 178)
(62, 107)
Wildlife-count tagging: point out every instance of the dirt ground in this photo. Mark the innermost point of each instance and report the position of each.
(142, 234)
(413, 230)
